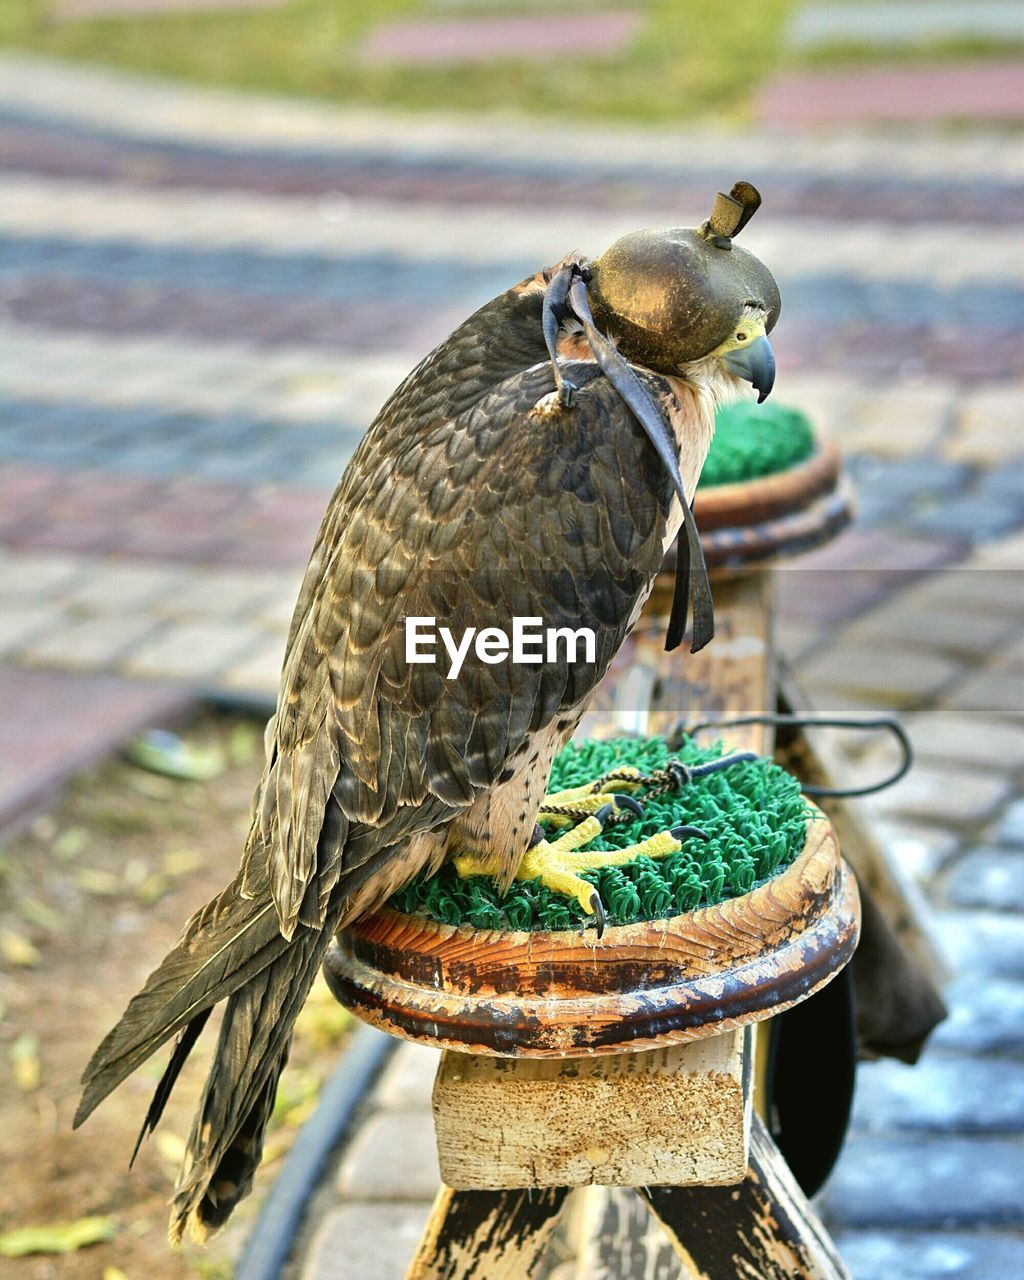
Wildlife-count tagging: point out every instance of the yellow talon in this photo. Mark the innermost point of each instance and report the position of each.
(557, 863)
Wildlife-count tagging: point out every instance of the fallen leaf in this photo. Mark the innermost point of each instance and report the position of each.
(17, 950)
(40, 913)
(114, 1273)
(99, 883)
(70, 843)
(172, 757)
(153, 888)
(135, 872)
(242, 743)
(25, 1065)
(180, 862)
(59, 1237)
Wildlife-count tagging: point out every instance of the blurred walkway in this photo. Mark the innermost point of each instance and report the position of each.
(205, 298)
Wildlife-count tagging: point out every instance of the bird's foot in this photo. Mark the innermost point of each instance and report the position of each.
(563, 397)
(581, 814)
(558, 863)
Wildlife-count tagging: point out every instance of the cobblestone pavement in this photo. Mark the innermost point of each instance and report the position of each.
(203, 300)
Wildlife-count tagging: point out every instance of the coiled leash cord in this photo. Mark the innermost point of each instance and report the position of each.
(780, 719)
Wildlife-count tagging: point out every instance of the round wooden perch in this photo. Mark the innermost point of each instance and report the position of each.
(567, 993)
(774, 515)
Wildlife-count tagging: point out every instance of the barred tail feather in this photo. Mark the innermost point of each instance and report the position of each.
(226, 1142)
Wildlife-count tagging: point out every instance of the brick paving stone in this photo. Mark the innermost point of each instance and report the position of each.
(392, 1157)
(969, 590)
(91, 644)
(975, 637)
(28, 577)
(258, 673)
(93, 535)
(988, 877)
(111, 587)
(986, 1015)
(897, 676)
(196, 652)
(889, 25)
(985, 425)
(375, 1242)
(972, 739)
(951, 796)
(1005, 478)
(916, 848)
(276, 614)
(920, 476)
(893, 422)
(907, 1182)
(55, 724)
(860, 570)
(826, 597)
(796, 639)
(984, 944)
(408, 1080)
(20, 624)
(983, 90)
(485, 38)
(1011, 825)
(933, 1255)
(993, 692)
(941, 1094)
(79, 10)
(210, 592)
(1012, 656)
(975, 517)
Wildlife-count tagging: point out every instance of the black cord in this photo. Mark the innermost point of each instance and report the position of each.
(888, 723)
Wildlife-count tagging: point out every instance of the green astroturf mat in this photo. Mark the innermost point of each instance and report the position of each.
(753, 440)
(752, 812)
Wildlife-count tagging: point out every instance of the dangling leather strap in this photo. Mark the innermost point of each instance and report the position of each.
(691, 570)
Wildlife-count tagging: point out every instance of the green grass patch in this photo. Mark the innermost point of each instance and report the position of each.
(685, 61)
(753, 814)
(754, 440)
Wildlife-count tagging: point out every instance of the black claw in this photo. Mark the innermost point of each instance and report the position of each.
(627, 802)
(537, 837)
(689, 833)
(599, 912)
(604, 813)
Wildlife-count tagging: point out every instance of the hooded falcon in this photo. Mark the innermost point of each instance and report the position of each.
(537, 465)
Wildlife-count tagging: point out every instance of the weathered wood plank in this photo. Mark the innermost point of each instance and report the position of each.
(649, 691)
(763, 1229)
(675, 1115)
(487, 1235)
(619, 1238)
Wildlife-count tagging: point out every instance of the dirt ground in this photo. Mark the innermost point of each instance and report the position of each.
(92, 895)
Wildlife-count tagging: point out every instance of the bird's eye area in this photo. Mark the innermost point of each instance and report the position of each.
(741, 337)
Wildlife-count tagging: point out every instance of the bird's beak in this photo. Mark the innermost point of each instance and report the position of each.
(756, 364)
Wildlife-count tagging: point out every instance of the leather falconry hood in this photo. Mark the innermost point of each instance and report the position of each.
(663, 298)
(673, 294)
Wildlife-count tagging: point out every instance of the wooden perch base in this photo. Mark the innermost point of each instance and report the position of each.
(641, 986)
(676, 1116)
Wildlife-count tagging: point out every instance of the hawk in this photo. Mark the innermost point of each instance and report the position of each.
(537, 464)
